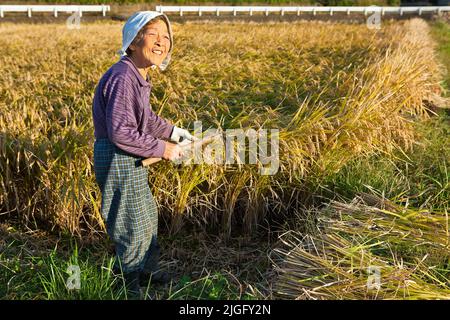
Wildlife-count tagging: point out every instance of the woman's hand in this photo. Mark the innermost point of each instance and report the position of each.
(172, 151)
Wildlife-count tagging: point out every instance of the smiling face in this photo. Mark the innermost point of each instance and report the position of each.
(154, 45)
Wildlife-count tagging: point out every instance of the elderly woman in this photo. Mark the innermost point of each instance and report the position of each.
(127, 131)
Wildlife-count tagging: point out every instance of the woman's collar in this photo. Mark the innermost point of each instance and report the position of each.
(142, 81)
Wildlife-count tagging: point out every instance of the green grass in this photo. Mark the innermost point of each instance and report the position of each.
(95, 282)
(45, 274)
(441, 33)
(210, 287)
(33, 268)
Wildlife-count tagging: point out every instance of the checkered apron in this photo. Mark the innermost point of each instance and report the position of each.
(127, 205)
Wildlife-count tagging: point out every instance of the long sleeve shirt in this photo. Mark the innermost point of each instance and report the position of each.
(122, 112)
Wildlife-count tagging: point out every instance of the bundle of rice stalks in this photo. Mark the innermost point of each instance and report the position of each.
(366, 252)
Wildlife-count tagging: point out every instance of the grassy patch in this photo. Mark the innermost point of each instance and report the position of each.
(34, 268)
(441, 33)
(211, 287)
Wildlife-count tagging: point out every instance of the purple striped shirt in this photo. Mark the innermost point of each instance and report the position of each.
(122, 112)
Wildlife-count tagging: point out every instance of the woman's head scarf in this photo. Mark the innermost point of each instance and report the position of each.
(135, 23)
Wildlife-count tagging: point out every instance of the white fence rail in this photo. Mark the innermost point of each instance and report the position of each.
(53, 8)
(298, 10)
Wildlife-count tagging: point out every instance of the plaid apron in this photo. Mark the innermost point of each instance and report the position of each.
(127, 206)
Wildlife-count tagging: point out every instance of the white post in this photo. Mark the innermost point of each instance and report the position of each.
(1, 12)
(420, 11)
(55, 12)
(282, 12)
(401, 11)
(331, 12)
(181, 12)
(217, 12)
(314, 11)
(365, 12)
(234, 12)
(267, 12)
(29, 12)
(103, 10)
(382, 11)
(298, 11)
(348, 12)
(199, 12)
(251, 11)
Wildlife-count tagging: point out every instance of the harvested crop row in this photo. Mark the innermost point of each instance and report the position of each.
(362, 251)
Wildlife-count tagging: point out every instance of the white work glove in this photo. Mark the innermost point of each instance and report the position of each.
(181, 135)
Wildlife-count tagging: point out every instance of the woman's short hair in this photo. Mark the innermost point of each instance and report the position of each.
(137, 40)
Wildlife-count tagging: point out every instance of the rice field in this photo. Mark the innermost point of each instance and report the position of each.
(352, 106)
